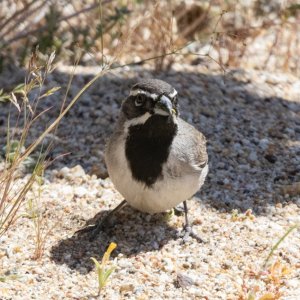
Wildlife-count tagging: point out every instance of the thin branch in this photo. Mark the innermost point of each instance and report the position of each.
(7, 21)
(45, 27)
(21, 19)
(101, 28)
(176, 51)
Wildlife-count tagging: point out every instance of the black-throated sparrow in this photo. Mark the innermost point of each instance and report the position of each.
(154, 158)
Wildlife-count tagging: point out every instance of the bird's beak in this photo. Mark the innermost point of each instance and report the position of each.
(164, 106)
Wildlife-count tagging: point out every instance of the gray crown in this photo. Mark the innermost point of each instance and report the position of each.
(155, 86)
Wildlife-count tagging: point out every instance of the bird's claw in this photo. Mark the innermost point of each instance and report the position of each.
(93, 229)
(86, 229)
(187, 232)
(178, 210)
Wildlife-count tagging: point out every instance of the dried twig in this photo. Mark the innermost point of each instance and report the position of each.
(13, 17)
(25, 34)
(25, 16)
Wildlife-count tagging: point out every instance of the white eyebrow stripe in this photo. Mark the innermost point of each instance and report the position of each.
(136, 92)
(172, 95)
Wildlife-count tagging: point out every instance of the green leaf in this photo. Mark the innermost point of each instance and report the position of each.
(19, 89)
(29, 163)
(97, 264)
(108, 272)
(101, 278)
(251, 296)
(9, 277)
(50, 92)
(13, 150)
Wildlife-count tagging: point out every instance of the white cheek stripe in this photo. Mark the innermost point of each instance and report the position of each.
(172, 95)
(136, 92)
(136, 121)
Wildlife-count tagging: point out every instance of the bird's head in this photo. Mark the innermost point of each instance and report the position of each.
(151, 98)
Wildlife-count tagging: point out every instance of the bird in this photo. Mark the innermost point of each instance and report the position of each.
(154, 158)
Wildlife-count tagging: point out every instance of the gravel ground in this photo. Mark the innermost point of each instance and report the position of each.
(250, 199)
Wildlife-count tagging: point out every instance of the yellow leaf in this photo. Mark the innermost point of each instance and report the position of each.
(109, 250)
(111, 247)
(17, 249)
(268, 296)
(285, 270)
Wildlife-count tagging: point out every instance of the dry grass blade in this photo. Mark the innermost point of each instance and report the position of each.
(13, 192)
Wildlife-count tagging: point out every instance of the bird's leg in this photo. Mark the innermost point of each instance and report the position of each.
(94, 229)
(187, 223)
(187, 229)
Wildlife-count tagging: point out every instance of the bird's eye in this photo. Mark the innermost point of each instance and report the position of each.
(139, 100)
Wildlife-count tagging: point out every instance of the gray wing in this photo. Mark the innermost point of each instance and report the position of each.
(188, 151)
(116, 137)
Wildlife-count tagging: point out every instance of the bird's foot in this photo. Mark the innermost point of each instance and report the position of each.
(94, 229)
(187, 232)
(179, 210)
(106, 222)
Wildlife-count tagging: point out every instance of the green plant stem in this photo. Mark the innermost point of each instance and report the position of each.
(279, 242)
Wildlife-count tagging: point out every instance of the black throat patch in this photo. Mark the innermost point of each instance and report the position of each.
(147, 148)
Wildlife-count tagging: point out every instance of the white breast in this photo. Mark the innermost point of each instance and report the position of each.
(163, 195)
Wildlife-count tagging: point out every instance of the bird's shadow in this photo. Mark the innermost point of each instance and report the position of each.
(252, 133)
(132, 231)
